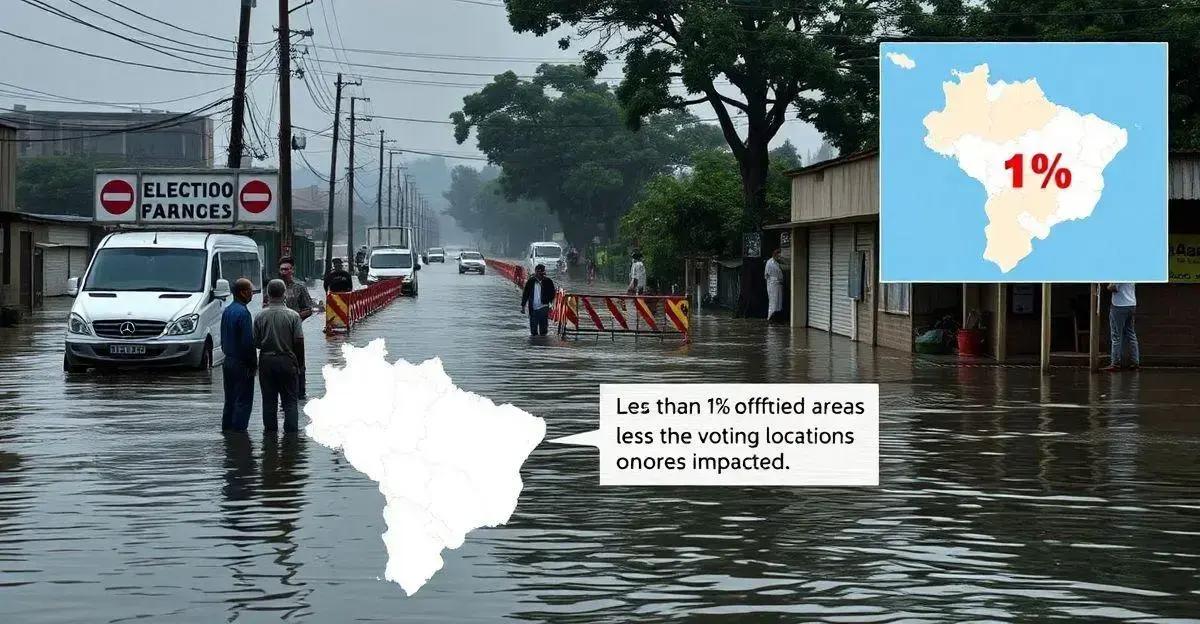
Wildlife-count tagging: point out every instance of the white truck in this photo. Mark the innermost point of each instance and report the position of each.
(390, 255)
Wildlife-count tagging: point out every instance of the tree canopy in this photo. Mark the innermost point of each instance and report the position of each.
(751, 60)
(477, 204)
(1177, 23)
(559, 138)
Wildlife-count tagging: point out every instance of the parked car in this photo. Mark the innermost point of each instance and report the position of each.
(393, 263)
(470, 261)
(436, 254)
(156, 299)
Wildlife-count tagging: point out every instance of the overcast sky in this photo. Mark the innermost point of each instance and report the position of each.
(420, 33)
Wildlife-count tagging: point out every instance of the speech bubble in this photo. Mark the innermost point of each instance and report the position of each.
(737, 434)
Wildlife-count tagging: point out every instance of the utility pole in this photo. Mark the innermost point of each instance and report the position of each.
(379, 193)
(337, 113)
(285, 131)
(239, 87)
(350, 250)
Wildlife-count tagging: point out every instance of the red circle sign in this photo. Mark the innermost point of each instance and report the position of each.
(116, 196)
(256, 196)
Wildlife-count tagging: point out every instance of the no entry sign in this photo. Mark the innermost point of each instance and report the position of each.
(256, 196)
(116, 196)
(216, 197)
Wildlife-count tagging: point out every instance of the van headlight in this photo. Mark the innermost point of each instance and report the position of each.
(184, 325)
(407, 278)
(76, 325)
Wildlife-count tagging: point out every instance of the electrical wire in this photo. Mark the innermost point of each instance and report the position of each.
(116, 60)
(179, 28)
(170, 122)
(42, 6)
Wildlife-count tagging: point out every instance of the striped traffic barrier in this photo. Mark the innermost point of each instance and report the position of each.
(345, 309)
(661, 315)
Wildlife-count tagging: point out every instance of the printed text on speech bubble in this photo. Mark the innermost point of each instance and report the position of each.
(737, 434)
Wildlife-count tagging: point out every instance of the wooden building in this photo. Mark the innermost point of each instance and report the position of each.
(834, 268)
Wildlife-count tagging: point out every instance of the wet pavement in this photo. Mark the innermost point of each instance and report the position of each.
(1004, 496)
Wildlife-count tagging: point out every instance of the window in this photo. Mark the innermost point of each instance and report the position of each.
(238, 264)
(214, 273)
(547, 251)
(391, 261)
(896, 298)
(147, 269)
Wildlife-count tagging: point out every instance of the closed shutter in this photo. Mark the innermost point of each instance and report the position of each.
(842, 308)
(54, 277)
(818, 278)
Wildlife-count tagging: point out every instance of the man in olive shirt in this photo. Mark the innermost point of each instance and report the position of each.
(297, 298)
(280, 338)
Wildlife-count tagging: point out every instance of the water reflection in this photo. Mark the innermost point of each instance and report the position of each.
(1005, 494)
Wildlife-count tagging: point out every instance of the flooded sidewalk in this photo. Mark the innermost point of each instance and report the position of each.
(1004, 494)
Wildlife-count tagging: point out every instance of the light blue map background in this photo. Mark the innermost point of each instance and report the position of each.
(932, 215)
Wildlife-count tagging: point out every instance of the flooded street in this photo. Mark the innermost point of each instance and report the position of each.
(1003, 496)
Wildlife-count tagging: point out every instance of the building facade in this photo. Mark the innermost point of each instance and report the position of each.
(834, 268)
(162, 139)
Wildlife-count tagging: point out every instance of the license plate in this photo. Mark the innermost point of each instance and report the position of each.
(127, 349)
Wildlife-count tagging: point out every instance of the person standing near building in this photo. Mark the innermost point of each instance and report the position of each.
(238, 369)
(1120, 326)
(637, 275)
(774, 276)
(537, 296)
(298, 299)
(280, 337)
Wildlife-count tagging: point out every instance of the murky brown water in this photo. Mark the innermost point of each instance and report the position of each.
(1002, 497)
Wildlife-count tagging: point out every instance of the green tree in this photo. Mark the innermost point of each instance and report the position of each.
(478, 205)
(700, 212)
(1176, 22)
(58, 184)
(817, 56)
(559, 138)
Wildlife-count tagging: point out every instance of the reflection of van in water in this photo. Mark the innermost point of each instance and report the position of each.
(548, 253)
(156, 298)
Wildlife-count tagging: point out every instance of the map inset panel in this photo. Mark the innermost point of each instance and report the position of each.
(1013, 162)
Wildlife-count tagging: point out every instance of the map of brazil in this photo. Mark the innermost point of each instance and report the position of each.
(1035, 162)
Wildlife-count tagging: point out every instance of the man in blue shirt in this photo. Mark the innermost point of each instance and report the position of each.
(241, 361)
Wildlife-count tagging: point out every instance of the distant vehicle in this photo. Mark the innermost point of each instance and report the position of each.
(436, 254)
(548, 253)
(393, 263)
(156, 299)
(470, 261)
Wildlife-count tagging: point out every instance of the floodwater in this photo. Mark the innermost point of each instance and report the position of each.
(1003, 496)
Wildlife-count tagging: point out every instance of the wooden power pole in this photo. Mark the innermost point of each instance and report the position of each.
(239, 88)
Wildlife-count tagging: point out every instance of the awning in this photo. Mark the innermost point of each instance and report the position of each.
(826, 221)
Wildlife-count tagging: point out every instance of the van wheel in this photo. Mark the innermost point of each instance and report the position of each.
(69, 367)
(206, 356)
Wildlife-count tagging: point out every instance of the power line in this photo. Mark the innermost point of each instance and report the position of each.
(42, 6)
(152, 34)
(179, 28)
(116, 60)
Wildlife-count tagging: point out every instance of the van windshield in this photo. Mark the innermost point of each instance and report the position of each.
(547, 251)
(391, 261)
(148, 269)
(471, 255)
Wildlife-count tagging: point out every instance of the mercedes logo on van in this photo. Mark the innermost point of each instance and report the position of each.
(128, 328)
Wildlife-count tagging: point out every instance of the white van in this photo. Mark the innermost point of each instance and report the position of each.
(392, 263)
(156, 298)
(548, 253)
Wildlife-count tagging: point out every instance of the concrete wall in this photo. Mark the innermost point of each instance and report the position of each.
(894, 331)
(8, 169)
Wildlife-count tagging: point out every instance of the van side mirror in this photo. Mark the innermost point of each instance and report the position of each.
(221, 290)
(73, 286)
(417, 267)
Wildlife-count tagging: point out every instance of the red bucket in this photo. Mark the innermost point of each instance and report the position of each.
(970, 342)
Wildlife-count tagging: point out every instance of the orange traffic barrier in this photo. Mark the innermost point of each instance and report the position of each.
(514, 273)
(343, 310)
(660, 316)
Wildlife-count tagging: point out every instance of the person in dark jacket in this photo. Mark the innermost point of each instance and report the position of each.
(538, 296)
(241, 361)
(338, 280)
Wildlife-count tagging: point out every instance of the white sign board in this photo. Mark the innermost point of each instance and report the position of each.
(171, 197)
